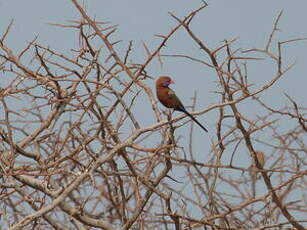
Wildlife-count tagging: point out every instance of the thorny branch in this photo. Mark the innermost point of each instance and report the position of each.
(75, 152)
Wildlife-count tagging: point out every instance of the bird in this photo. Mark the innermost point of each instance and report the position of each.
(169, 99)
(260, 158)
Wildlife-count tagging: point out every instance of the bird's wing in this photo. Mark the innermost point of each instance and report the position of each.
(172, 95)
(177, 104)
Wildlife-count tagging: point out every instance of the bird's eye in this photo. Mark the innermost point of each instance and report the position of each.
(166, 83)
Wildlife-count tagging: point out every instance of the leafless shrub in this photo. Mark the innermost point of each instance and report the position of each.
(74, 155)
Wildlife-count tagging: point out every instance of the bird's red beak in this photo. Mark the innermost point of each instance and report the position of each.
(172, 82)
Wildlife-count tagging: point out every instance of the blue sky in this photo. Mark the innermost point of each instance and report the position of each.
(249, 21)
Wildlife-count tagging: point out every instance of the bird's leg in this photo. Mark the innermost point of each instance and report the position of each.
(171, 130)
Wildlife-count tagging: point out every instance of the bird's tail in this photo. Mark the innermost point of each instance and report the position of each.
(194, 119)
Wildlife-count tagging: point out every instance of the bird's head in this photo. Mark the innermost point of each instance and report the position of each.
(164, 81)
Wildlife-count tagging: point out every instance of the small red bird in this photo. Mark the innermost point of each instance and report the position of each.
(169, 99)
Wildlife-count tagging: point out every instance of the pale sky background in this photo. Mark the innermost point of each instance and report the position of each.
(139, 20)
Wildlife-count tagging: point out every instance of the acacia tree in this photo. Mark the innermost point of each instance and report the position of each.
(74, 155)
